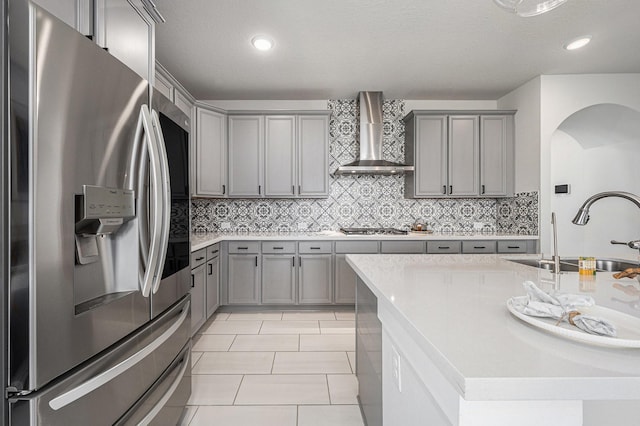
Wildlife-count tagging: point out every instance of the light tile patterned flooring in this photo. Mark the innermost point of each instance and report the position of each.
(275, 369)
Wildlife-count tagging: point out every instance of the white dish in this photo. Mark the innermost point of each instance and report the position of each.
(628, 326)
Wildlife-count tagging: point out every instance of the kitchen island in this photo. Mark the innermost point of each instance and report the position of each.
(451, 353)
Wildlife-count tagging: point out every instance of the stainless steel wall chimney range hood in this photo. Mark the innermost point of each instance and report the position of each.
(371, 161)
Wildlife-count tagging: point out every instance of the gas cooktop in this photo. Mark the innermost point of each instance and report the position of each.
(373, 231)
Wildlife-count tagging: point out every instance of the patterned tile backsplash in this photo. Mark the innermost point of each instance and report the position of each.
(367, 201)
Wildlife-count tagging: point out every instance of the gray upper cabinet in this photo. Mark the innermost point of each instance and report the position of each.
(127, 32)
(211, 154)
(313, 155)
(496, 156)
(463, 153)
(245, 155)
(459, 154)
(279, 156)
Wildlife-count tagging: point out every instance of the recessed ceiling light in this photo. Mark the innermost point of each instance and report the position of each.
(577, 42)
(262, 42)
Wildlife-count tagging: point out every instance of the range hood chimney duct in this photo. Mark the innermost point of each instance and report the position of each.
(371, 131)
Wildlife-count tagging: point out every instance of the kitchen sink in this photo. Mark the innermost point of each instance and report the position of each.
(571, 265)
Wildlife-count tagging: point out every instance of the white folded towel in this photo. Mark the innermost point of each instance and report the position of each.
(559, 306)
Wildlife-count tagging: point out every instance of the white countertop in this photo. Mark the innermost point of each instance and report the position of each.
(199, 241)
(454, 308)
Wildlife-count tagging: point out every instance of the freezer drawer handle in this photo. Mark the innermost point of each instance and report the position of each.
(118, 369)
(161, 403)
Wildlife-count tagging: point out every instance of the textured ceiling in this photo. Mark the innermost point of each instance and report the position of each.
(410, 49)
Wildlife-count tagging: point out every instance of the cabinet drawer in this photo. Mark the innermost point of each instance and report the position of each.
(213, 251)
(356, 246)
(313, 247)
(242, 247)
(478, 247)
(443, 247)
(512, 246)
(276, 247)
(402, 247)
(198, 257)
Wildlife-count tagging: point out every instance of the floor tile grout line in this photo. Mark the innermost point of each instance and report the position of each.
(194, 415)
(326, 378)
(232, 342)
(238, 390)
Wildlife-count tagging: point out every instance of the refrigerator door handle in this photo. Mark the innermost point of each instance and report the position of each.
(118, 369)
(162, 401)
(157, 199)
(166, 200)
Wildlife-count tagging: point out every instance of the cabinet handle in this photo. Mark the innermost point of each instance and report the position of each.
(199, 258)
(300, 261)
(450, 189)
(256, 261)
(443, 248)
(293, 189)
(483, 189)
(299, 192)
(293, 261)
(243, 248)
(259, 189)
(314, 248)
(224, 189)
(513, 247)
(215, 251)
(444, 189)
(479, 247)
(210, 269)
(193, 281)
(278, 248)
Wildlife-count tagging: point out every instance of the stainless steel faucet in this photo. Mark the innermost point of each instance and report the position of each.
(555, 259)
(582, 217)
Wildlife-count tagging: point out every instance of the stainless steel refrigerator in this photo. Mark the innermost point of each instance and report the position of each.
(95, 234)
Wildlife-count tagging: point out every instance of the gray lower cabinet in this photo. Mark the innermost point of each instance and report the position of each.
(483, 246)
(345, 281)
(315, 278)
(198, 300)
(244, 279)
(278, 279)
(213, 285)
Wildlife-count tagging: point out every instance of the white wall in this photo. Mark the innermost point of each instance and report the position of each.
(588, 164)
(526, 99)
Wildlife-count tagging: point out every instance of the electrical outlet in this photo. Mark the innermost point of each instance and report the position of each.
(395, 368)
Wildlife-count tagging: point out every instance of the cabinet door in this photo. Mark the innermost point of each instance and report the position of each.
(278, 279)
(430, 154)
(496, 155)
(280, 156)
(127, 33)
(198, 300)
(464, 158)
(345, 283)
(244, 279)
(245, 155)
(213, 285)
(211, 153)
(313, 156)
(315, 278)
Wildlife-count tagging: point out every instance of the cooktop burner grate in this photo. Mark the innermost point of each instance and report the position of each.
(373, 231)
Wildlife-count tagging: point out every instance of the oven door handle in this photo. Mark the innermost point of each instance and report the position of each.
(120, 368)
(166, 200)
